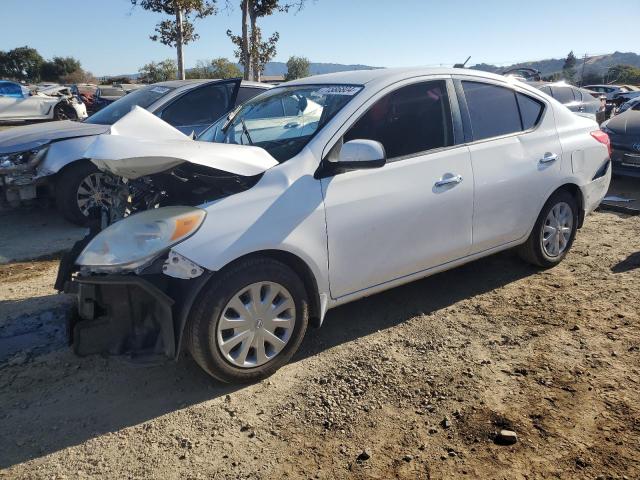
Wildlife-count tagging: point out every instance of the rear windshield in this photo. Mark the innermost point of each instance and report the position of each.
(112, 92)
(282, 120)
(143, 97)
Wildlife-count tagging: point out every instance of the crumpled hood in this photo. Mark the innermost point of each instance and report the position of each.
(142, 144)
(627, 123)
(27, 137)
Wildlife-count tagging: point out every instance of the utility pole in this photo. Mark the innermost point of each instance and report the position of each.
(584, 61)
(180, 40)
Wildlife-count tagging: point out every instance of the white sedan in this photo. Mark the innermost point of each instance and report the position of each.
(392, 176)
(52, 103)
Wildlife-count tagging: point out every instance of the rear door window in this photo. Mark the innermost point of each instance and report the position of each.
(410, 120)
(577, 94)
(247, 93)
(493, 110)
(562, 94)
(200, 107)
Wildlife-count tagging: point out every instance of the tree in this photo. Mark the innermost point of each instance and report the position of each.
(180, 31)
(57, 68)
(21, 64)
(625, 74)
(297, 67)
(78, 76)
(252, 51)
(158, 72)
(216, 68)
(569, 67)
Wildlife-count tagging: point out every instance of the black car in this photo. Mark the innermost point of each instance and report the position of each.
(624, 133)
(579, 100)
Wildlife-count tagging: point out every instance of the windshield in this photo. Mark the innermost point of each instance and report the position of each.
(282, 120)
(118, 109)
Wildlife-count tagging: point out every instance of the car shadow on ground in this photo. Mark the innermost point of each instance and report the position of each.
(630, 263)
(83, 398)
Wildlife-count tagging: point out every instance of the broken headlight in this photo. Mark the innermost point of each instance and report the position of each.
(137, 240)
(24, 159)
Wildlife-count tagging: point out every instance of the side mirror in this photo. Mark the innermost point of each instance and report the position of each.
(360, 154)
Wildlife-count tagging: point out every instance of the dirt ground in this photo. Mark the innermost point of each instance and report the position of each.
(411, 383)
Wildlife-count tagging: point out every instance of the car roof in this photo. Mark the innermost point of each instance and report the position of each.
(364, 77)
(202, 81)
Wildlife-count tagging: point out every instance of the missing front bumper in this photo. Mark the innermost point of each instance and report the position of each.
(122, 314)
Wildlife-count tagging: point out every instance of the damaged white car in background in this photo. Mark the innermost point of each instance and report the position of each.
(51, 103)
(319, 192)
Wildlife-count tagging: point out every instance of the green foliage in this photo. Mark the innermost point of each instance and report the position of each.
(624, 74)
(21, 64)
(569, 67)
(297, 67)
(159, 71)
(167, 30)
(25, 64)
(57, 68)
(216, 68)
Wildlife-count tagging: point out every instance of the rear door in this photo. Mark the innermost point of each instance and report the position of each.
(201, 106)
(391, 222)
(515, 154)
(566, 97)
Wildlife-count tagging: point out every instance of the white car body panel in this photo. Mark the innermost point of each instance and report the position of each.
(364, 231)
(142, 144)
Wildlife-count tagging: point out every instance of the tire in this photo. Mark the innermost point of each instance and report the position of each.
(205, 339)
(534, 250)
(68, 184)
(64, 112)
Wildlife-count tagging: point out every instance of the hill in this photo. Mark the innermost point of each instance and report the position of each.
(596, 65)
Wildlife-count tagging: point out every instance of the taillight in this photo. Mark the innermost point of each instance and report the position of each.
(603, 138)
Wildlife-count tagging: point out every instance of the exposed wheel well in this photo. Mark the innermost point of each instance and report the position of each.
(576, 193)
(302, 269)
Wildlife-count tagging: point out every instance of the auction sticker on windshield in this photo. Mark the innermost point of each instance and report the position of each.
(339, 90)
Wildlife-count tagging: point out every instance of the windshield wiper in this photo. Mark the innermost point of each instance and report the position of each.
(246, 131)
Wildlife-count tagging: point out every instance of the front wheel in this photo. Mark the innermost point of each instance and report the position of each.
(81, 186)
(554, 231)
(249, 321)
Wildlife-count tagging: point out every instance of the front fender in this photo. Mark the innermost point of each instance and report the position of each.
(62, 153)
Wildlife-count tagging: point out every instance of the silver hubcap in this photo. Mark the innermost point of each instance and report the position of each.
(557, 228)
(96, 189)
(256, 324)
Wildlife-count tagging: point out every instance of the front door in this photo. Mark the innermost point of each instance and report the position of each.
(416, 211)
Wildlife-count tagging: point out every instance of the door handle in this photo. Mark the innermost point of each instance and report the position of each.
(292, 125)
(452, 180)
(549, 158)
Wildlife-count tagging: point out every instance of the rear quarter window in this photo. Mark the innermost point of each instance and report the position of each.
(530, 110)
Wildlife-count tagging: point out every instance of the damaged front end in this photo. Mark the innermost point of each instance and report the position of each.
(18, 174)
(132, 300)
(134, 291)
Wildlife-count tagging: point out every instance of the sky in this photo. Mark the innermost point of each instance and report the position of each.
(110, 37)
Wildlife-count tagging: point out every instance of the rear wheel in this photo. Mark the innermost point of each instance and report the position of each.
(554, 231)
(64, 112)
(249, 321)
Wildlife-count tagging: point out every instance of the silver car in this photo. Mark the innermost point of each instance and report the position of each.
(49, 158)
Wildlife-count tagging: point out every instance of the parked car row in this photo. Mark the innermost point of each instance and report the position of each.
(49, 158)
